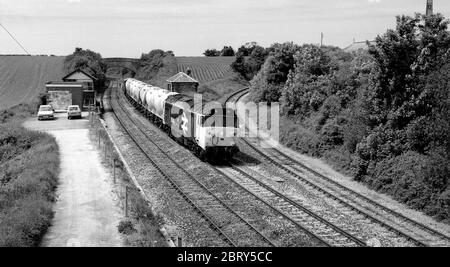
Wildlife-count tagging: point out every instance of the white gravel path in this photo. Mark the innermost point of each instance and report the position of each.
(85, 212)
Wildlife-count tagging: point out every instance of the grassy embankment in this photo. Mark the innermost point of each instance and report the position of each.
(29, 167)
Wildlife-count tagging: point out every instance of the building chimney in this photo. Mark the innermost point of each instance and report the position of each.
(429, 7)
(188, 71)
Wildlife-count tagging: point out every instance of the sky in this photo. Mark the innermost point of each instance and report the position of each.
(127, 28)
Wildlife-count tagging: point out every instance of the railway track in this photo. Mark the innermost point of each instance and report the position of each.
(278, 212)
(238, 95)
(296, 169)
(298, 214)
(326, 237)
(301, 216)
(434, 237)
(231, 227)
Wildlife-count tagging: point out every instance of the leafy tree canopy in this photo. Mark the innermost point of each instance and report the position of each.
(212, 53)
(89, 61)
(267, 85)
(227, 51)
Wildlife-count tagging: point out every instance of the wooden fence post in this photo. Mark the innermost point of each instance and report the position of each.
(126, 201)
(114, 170)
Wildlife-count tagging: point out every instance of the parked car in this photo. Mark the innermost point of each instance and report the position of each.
(46, 112)
(73, 112)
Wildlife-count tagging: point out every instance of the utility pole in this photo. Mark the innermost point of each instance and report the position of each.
(429, 8)
(321, 39)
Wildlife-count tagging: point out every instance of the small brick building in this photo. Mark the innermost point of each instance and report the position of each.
(63, 94)
(182, 83)
(81, 76)
(76, 88)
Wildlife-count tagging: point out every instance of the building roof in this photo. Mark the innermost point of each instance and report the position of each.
(358, 45)
(181, 77)
(64, 84)
(85, 72)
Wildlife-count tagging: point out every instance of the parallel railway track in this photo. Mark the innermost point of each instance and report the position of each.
(301, 216)
(205, 203)
(316, 227)
(355, 196)
(324, 230)
(345, 205)
(295, 169)
(328, 231)
(276, 210)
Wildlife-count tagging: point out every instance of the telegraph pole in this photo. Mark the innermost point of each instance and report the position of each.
(429, 8)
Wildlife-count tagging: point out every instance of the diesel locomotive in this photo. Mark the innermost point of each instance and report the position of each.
(208, 129)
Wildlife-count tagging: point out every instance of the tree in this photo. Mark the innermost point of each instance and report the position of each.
(247, 49)
(152, 55)
(211, 53)
(154, 59)
(152, 62)
(267, 85)
(89, 61)
(399, 100)
(249, 60)
(227, 51)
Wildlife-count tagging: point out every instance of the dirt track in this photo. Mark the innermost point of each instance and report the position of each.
(85, 213)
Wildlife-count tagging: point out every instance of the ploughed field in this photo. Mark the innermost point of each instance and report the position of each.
(22, 78)
(206, 69)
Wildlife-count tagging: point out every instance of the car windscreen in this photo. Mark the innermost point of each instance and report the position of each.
(45, 109)
(73, 109)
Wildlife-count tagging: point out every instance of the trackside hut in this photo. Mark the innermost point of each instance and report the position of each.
(182, 83)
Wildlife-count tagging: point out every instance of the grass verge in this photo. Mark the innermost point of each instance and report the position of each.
(29, 167)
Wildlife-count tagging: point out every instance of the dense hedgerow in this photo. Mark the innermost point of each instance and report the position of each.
(381, 115)
(29, 166)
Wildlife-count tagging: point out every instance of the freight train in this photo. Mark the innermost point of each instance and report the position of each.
(209, 130)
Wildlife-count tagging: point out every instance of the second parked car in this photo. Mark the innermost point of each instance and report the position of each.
(73, 112)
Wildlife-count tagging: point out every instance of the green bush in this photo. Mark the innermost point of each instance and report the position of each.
(18, 112)
(29, 167)
(126, 227)
(339, 158)
(418, 180)
(332, 133)
(299, 138)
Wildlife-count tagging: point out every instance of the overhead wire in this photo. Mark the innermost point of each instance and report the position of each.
(15, 40)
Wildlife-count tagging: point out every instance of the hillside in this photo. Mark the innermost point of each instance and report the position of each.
(158, 76)
(206, 69)
(215, 75)
(22, 78)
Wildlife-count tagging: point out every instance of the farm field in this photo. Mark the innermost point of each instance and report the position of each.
(22, 78)
(206, 69)
(217, 78)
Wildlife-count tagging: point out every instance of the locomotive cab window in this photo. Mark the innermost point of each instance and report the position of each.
(221, 118)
